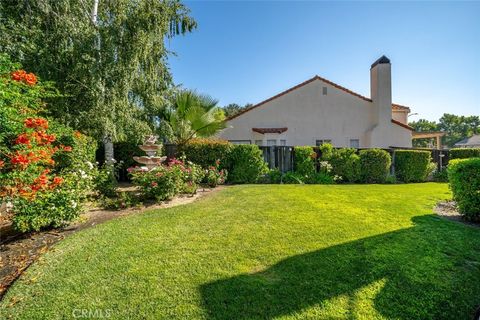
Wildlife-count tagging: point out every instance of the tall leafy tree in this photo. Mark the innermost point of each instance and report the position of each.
(455, 127)
(108, 57)
(191, 115)
(234, 108)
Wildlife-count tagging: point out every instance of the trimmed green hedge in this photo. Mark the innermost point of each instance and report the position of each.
(464, 153)
(345, 164)
(412, 165)
(205, 152)
(305, 162)
(464, 180)
(245, 164)
(374, 165)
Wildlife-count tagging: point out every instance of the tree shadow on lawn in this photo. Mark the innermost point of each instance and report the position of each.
(430, 271)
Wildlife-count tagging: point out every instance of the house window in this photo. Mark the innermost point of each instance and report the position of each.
(240, 141)
(322, 141)
(259, 142)
(354, 143)
(324, 91)
(283, 142)
(271, 142)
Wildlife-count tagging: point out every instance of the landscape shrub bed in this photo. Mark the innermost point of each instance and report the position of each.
(345, 164)
(464, 181)
(413, 165)
(305, 163)
(374, 165)
(464, 153)
(245, 164)
(45, 168)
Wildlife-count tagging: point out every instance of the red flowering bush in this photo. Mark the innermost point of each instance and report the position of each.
(43, 178)
(214, 176)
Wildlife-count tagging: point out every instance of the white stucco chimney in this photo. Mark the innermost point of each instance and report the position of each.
(381, 91)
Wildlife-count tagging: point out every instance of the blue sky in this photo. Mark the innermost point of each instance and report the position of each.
(245, 52)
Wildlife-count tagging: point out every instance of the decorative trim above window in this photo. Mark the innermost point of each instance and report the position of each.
(269, 130)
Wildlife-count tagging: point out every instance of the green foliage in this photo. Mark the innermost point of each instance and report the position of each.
(274, 176)
(161, 183)
(305, 162)
(463, 153)
(464, 181)
(246, 164)
(113, 70)
(206, 152)
(413, 165)
(440, 176)
(345, 164)
(52, 208)
(232, 109)
(455, 127)
(293, 178)
(105, 181)
(191, 115)
(123, 200)
(374, 165)
(326, 151)
(214, 176)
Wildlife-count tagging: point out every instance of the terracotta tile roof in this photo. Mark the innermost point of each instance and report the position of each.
(399, 107)
(269, 130)
(394, 106)
(406, 126)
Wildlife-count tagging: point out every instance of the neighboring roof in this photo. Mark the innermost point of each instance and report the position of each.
(406, 126)
(269, 130)
(472, 141)
(394, 106)
(400, 107)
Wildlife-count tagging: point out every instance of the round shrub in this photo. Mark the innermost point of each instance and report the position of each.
(464, 153)
(305, 163)
(464, 181)
(345, 164)
(374, 165)
(246, 164)
(413, 165)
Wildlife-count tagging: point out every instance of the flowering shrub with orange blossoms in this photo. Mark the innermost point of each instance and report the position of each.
(45, 173)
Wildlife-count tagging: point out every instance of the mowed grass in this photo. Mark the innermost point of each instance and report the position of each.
(265, 252)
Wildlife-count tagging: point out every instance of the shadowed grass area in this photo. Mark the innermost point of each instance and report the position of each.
(265, 252)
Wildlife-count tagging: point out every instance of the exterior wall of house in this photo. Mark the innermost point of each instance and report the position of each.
(311, 115)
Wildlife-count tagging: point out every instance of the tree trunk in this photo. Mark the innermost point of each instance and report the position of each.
(109, 154)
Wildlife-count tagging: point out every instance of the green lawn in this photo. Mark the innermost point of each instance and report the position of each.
(265, 252)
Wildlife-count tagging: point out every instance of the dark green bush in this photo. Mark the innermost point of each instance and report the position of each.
(345, 164)
(305, 163)
(374, 165)
(464, 181)
(206, 152)
(245, 164)
(464, 153)
(412, 165)
(292, 178)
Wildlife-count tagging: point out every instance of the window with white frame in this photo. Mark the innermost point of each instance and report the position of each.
(355, 143)
(259, 142)
(283, 142)
(319, 142)
(271, 142)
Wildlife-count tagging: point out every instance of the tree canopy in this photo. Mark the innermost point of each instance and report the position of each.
(112, 70)
(455, 127)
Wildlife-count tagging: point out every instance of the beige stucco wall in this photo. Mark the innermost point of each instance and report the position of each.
(309, 115)
(400, 115)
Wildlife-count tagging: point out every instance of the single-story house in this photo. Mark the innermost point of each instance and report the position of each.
(472, 142)
(318, 111)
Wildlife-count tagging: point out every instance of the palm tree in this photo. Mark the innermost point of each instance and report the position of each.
(191, 115)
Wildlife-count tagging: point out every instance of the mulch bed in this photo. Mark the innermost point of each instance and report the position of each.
(448, 210)
(18, 251)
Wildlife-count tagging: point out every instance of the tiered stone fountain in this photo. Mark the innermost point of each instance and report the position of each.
(151, 160)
